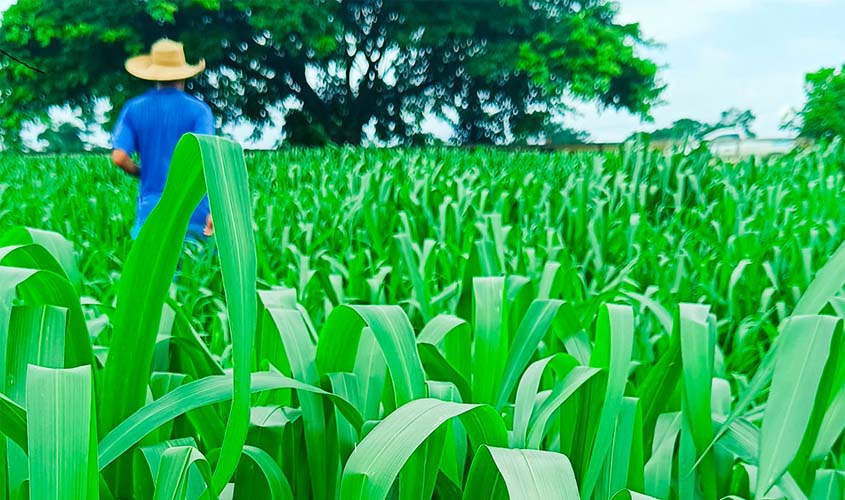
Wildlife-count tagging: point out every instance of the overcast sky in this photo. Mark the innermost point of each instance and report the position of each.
(717, 54)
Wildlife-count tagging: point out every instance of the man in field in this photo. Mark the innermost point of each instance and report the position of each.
(152, 123)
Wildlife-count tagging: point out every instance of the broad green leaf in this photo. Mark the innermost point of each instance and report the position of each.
(614, 343)
(57, 245)
(658, 469)
(829, 485)
(197, 394)
(339, 340)
(174, 472)
(832, 426)
(827, 283)
(444, 348)
(47, 288)
(742, 440)
(13, 421)
(490, 342)
(615, 475)
(412, 268)
(31, 257)
(697, 351)
(501, 473)
(453, 460)
(534, 326)
(376, 462)
(822, 290)
(147, 460)
(277, 484)
(300, 353)
(36, 336)
(796, 378)
(529, 387)
(61, 437)
(345, 385)
(541, 419)
(199, 164)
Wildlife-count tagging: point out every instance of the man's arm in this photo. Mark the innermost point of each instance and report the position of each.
(120, 158)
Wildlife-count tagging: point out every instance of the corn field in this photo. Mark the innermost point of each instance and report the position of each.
(416, 324)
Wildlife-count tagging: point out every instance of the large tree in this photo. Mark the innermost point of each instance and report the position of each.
(494, 69)
(823, 115)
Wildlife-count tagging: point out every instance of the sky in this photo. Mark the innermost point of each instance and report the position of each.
(718, 54)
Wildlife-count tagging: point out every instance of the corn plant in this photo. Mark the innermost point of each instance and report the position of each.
(429, 324)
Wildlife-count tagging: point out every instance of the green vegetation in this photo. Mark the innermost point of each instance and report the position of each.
(823, 115)
(426, 323)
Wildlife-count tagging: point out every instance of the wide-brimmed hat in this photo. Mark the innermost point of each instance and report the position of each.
(165, 63)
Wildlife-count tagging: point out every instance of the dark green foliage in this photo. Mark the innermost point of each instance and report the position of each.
(493, 69)
(823, 115)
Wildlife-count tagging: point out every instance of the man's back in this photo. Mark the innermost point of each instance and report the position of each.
(151, 125)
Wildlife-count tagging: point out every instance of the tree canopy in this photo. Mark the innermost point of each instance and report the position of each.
(823, 115)
(495, 70)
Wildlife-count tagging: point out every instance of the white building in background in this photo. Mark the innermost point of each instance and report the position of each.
(733, 142)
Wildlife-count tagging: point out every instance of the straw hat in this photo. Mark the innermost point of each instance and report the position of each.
(164, 63)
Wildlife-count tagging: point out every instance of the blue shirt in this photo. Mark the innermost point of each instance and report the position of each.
(151, 125)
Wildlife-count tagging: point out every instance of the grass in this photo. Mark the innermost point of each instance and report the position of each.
(426, 323)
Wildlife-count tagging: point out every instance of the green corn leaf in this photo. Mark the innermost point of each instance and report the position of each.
(658, 469)
(796, 379)
(697, 351)
(31, 257)
(529, 387)
(277, 484)
(444, 349)
(13, 421)
(61, 438)
(453, 461)
(57, 245)
(826, 284)
(198, 394)
(173, 481)
(829, 485)
(36, 336)
(500, 473)
(560, 393)
(300, 353)
(832, 426)
(376, 462)
(534, 326)
(622, 455)
(614, 343)
(345, 385)
(46, 288)
(490, 342)
(438, 368)
(186, 340)
(412, 267)
(147, 460)
(828, 281)
(742, 441)
(339, 341)
(199, 164)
